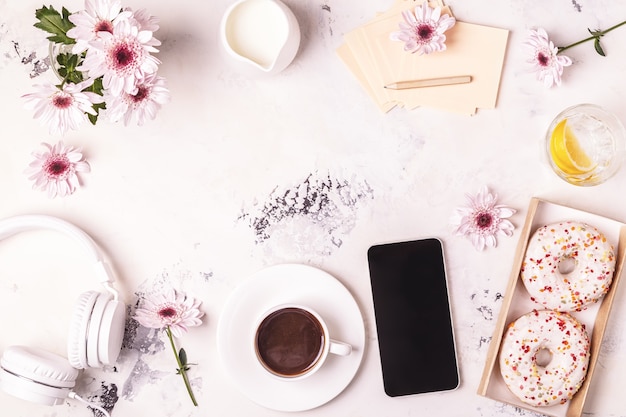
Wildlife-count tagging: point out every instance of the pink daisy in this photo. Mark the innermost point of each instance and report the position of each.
(423, 31)
(544, 59)
(55, 170)
(123, 57)
(62, 109)
(171, 310)
(144, 104)
(98, 16)
(482, 219)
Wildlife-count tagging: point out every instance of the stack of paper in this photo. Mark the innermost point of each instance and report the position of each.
(471, 50)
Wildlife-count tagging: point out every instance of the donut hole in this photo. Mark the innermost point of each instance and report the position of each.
(543, 357)
(567, 265)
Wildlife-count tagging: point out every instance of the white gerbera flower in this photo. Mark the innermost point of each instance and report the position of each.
(98, 16)
(483, 219)
(144, 104)
(123, 57)
(145, 21)
(62, 108)
(170, 310)
(423, 31)
(55, 170)
(544, 59)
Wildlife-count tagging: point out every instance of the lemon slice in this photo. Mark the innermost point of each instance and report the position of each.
(567, 153)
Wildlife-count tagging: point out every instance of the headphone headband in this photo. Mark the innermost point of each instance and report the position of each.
(17, 224)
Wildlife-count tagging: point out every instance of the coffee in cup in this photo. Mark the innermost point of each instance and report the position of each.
(292, 341)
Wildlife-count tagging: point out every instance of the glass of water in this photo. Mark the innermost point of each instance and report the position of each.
(586, 144)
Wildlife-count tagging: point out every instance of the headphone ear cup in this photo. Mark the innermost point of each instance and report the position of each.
(111, 335)
(94, 325)
(36, 375)
(79, 327)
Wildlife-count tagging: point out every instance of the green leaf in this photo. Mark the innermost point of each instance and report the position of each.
(596, 33)
(182, 355)
(96, 86)
(68, 63)
(55, 23)
(598, 47)
(97, 107)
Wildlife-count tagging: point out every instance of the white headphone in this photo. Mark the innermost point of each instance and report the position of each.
(95, 335)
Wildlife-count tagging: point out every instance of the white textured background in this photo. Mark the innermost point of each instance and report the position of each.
(237, 174)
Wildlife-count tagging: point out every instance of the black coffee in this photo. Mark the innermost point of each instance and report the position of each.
(289, 341)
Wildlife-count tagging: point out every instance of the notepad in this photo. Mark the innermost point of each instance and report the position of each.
(475, 50)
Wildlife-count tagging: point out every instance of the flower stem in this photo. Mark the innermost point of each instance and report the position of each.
(597, 35)
(182, 368)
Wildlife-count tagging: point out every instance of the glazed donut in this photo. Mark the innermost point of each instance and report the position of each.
(552, 246)
(554, 382)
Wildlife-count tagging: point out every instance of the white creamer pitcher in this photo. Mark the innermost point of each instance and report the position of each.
(259, 36)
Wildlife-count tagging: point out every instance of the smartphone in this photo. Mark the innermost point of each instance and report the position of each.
(413, 318)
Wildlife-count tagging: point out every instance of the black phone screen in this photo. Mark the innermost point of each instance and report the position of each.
(413, 320)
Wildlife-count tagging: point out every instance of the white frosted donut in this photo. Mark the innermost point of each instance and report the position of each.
(588, 252)
(554, 382)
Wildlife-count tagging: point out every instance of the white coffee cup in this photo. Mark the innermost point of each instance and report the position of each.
(292, 342)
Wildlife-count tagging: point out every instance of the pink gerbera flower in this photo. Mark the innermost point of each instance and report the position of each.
(482, 219)
(544, 59)
(144, 104)
(55, 170)
(423, 31)
(62, 108)
(175, 313)
(123, 57)
(98, 16)
(170, 310)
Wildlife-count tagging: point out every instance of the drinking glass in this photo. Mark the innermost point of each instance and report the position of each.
(585, 144)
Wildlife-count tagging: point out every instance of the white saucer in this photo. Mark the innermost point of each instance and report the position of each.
(299, 284)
